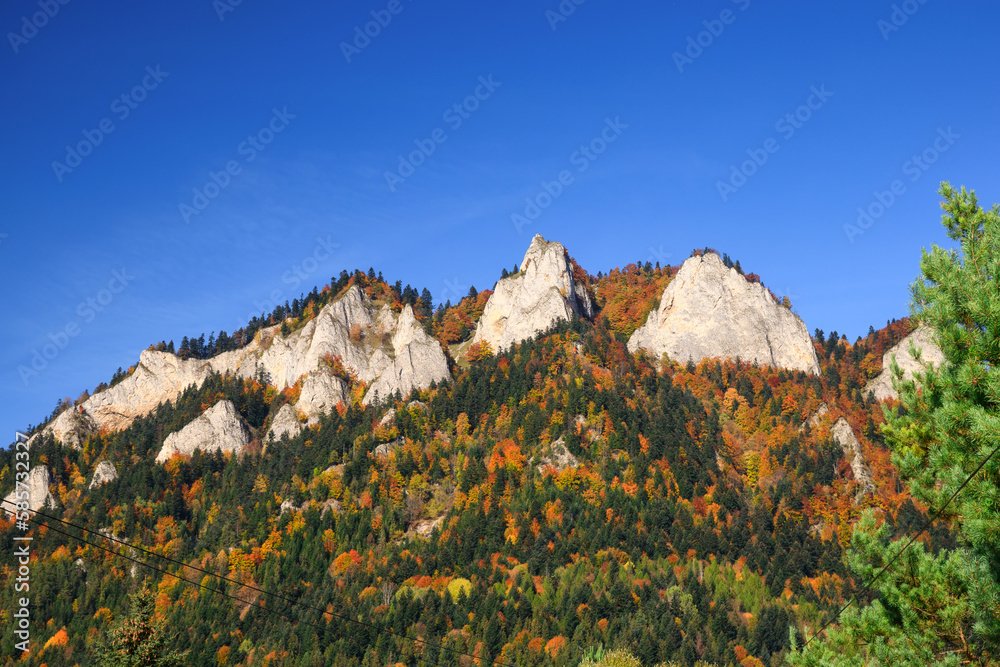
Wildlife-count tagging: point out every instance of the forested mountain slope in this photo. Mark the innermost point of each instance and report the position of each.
(562, 495)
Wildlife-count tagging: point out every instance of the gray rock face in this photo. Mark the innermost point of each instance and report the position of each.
(931, 354)
(70, 428)
(844, 436)
(541, 294)
(285, 422)
(39, 497)
(104, 473)
(709, 311)
(816, 417)
(391, 352)
(387, 448)
(159, 377)
(387, 417)
(328, 505)
(218, 429)
(321, 391)
(558, 457)
(426, 528)
(417, 360)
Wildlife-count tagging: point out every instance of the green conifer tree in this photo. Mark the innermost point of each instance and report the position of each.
(943, 609)
(138, 640)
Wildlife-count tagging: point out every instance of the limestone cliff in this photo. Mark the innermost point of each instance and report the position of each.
(844, 435)
(285, 422)
(39, 497)
(321, 391)
(527, 303)
(219, 428)
(417, 360)
(709, 310)
(922, 339)
(104, 473)
(391, 352)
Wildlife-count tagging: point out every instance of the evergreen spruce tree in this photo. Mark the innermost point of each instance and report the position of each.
(943, 609)
(138, 640)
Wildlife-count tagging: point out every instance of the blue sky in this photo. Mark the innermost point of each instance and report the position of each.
(328, 122)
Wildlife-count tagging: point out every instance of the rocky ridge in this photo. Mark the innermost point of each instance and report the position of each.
(391, 352)
(527, 303)
(923, 339)
(709, 310)
(558, 457)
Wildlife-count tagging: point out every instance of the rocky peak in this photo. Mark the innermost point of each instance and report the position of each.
(218, 429)
(709, 310)
(930, 354)
(541, 294)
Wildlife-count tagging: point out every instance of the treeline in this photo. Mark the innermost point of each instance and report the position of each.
(303, 307)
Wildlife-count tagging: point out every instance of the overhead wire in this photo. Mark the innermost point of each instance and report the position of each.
(283, 598)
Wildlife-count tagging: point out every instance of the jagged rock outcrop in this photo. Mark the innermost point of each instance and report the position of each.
(387, 448)
(417, 360)
(930, 353)
(844, 435)
(158, 377)
(328, 505)
(709, 310)
(426, 527)
(558, 457)
(527, 303)
(285, 422)
(39, 497)
(391, 352)
(816, 417)
(387, 418)
(219, 428)
(104, 473)
(321, 391)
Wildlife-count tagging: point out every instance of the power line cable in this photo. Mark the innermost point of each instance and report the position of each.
(289, 601)
(182, 579)
(900, 552)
